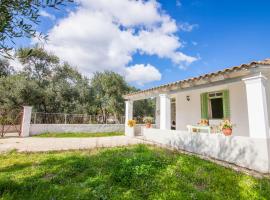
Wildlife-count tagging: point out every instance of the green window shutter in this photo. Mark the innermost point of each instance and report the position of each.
(226, 104)
(204, 105)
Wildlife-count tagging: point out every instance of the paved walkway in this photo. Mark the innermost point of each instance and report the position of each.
(32, 144)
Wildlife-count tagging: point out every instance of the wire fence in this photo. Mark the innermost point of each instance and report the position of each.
(63, 118)
(10, 121)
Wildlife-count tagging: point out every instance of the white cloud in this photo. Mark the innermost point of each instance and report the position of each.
(188, 27)
(104, 36)
(44, 13)
(15, 63)
(142, 74)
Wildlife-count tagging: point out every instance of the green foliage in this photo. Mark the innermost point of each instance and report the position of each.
(79, 134)
(18, 18)
(142, 108)
(16, 91)
(46, 85)
(55, 87)
(108, 88)
(138, 172)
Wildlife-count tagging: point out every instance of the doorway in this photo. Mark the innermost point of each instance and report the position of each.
(173, 114)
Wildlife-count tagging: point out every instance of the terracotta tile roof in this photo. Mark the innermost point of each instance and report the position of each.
(224, 71)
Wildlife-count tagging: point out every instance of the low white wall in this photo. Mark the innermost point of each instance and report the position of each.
(36, 129)
(137, 130)
(247, 152)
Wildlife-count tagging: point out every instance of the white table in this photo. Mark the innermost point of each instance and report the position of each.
(191, 127)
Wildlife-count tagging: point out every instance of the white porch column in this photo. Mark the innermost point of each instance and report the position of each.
(157, 113)
(165, 111)
(257, 106)
(26, 120)
(129, 111)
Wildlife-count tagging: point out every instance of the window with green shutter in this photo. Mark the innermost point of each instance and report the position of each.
(215, 105)
(204, 105)
(226, 104)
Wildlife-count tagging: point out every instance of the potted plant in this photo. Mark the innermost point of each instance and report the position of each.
(131, 123)
(148, 121)
(203, 122)
(226, 127)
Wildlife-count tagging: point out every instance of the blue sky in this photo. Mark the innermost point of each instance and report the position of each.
(229, 33)
(218, 34)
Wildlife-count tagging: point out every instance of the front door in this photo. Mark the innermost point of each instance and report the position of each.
(173, 113)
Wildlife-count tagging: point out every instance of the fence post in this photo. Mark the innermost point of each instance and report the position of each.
(26, 120)
(65, 118)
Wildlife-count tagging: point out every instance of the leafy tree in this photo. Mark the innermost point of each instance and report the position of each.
(50, 86)
(71, 91)
(16, 91)
(108, 88)
(18, 18)
(143, 108)
(39, 66)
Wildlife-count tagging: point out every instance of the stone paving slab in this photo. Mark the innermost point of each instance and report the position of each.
(32, 144)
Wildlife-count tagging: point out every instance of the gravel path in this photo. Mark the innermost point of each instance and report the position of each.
(31, 144)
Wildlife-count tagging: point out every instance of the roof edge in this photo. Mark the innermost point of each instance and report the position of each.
(209, 75)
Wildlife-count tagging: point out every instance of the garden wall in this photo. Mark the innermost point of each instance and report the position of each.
(252, 153)
(36, 129)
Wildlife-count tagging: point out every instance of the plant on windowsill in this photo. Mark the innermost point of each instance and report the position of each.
(131, 123)
(148, 121)
(226, 127)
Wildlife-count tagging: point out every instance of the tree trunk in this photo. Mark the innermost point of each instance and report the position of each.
(2, 130)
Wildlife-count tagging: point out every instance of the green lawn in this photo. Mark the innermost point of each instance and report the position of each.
(82, 134)
(137, 172)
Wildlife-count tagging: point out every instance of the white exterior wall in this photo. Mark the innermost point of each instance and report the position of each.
(36, 129)
(256, 89)
(189, 112)
(252, 153)
(165, 111)
(268, 97)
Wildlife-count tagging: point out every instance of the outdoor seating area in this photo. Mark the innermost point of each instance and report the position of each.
(211, 126)
(221, 115)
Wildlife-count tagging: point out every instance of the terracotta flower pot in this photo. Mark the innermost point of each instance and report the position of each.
(148, 125)
(227, 131)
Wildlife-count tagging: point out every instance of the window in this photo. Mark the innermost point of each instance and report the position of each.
(215, 105)
(216, 108)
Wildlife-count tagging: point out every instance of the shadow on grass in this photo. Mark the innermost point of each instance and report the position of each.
(138, 172)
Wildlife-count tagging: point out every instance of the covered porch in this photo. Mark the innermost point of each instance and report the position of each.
(243, 102)
(239, 94)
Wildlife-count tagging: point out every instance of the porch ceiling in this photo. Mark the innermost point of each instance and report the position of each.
(223, 76)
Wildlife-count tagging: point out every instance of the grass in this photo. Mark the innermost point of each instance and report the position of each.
(137, 172)
(79, 134)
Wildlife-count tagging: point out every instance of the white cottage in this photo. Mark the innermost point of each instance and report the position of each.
(241, 94)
